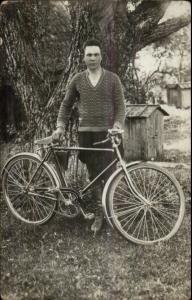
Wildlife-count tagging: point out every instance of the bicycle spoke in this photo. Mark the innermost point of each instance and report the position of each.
(161, 225)
(42, 196)
(148, 179)
(148, 228)
(131, 200)
(165, 215)
(132, 219)
(17, 202)
(30, 209)
(17, 196)
(123, 206)
(136, 182)
(14, 192)
(159, 191)
(15, 180)
(20, 203)
(120, 214)
(166, 205)
(11, 181)
(155, 219)
(125, 191)
(37, 208)
(152, 184)
(142, 182)
(126, 217)
(43, 182)
(138, 226)
(130, 196)
(154, 227)
(35, 173)
(19, 173)
(171, 199)
(44, 207)
(35, 211)
(28, 189)
(157, 185)
(15, 174)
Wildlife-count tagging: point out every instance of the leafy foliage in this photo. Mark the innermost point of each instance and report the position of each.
(170, 58)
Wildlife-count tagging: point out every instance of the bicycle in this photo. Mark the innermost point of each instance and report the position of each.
(143, 202)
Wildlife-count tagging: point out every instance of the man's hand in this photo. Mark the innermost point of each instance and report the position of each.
(117, 125)
(58, 134)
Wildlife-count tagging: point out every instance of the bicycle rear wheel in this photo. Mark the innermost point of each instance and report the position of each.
(32, 203)
(148, 222)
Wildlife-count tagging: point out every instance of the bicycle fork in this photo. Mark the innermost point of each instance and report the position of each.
(128, 179)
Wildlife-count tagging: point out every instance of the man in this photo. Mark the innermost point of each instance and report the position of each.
(100, 99)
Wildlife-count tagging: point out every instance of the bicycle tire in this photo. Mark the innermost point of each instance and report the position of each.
(37, 203)
(141, 223)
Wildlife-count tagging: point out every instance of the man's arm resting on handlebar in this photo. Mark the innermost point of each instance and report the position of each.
(117, 125)
(58, 133)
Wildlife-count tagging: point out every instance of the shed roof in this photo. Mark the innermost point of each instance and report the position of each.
(183, 85)
(142, 110)
(172, 86)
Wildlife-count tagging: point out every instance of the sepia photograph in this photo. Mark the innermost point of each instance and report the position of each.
(95, 150)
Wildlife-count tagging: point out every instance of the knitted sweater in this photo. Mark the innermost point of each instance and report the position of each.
(100, 107)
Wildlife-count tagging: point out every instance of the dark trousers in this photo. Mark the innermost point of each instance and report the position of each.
(96, 161)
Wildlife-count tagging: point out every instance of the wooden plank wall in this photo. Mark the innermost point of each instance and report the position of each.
(159, 134)
(135, 139)
(144, 137)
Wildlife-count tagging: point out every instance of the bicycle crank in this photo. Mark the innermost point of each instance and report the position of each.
(87, 216)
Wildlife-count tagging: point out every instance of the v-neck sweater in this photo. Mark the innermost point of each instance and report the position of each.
(100, 106)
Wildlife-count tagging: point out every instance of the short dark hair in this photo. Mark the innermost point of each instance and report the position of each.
(92, 42)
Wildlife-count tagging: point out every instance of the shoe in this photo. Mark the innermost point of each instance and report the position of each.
(98, 222)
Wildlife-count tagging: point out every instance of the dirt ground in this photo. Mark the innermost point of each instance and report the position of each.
(61, 260)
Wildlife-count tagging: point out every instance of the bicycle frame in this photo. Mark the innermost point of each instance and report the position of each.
(52, 152)
(114, 149)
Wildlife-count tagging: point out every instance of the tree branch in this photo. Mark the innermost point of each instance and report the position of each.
(148, 12)
(152, 74)
(163, 30)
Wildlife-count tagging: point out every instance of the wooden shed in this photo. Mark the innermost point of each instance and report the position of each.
(179, 95)
(143, 139)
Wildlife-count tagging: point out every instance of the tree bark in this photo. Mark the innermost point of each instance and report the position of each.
(162, 31)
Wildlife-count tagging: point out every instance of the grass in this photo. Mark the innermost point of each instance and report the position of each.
(62, 260)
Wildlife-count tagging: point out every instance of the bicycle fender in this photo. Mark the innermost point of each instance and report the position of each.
(36, 156)
(107, 187)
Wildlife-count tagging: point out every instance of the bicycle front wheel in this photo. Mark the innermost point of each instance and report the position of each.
(146, 222)
(32, 200)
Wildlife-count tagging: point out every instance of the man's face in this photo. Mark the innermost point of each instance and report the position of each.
(92, 57)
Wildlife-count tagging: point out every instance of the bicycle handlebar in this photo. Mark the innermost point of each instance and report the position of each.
(102, 142)
(111, 132)
(115, 131)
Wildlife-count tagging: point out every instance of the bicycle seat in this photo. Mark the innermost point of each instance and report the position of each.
(44, 141)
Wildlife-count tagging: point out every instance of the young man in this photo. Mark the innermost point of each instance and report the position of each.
(101, 107)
